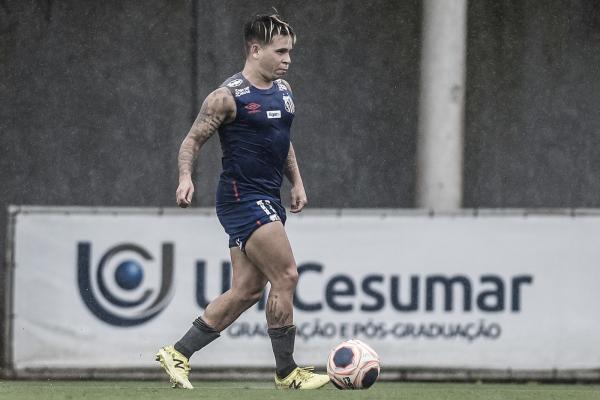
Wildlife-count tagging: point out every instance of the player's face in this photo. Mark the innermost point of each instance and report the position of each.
(274, 59)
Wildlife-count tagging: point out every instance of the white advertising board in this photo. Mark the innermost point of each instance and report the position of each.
(106, 289)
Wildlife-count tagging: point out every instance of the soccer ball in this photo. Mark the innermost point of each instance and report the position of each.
(353, 365)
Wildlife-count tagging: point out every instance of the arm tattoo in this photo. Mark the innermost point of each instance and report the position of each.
(211, 116)
(291, 170)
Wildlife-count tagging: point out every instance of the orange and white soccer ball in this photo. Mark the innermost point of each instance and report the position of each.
(353, 365)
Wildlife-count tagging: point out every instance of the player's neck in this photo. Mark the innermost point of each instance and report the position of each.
(255, 78)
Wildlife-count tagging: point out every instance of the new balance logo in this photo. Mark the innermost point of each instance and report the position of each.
(178, 363)
(295, 385)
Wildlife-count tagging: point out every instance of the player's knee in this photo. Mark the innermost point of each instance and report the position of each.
(288, 279)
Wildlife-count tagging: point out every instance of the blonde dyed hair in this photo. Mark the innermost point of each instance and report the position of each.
(262, 28)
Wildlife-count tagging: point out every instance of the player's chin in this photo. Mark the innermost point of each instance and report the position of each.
(280, 73)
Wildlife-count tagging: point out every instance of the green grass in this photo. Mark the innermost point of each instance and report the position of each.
(107, 390)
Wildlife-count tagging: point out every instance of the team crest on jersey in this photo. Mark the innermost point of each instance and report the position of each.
(243, 91)
(235, 83)
(289, 104)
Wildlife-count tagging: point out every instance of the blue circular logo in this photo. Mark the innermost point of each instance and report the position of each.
(129, 275)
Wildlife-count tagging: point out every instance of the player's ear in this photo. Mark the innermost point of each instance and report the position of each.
(255, 50)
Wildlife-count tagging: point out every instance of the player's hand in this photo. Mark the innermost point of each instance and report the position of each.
(185, 191)
(299, 199)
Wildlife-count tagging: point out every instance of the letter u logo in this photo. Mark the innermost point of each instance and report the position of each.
(117, 290)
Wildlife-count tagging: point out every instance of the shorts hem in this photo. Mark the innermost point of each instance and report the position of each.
(254, 230)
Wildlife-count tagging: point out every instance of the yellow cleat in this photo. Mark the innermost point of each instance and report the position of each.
(176, 365)
(302, 378)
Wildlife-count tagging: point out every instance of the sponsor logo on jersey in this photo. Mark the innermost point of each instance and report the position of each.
(241, 92)
(235, 83)
(274, 114)
(289, 104)
(252, 108)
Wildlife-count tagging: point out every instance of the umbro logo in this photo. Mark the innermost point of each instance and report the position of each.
(178, 363)
(295, 385)
(252, 108)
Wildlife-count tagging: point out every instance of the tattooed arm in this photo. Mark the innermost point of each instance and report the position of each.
(292, 172)
(218, 108)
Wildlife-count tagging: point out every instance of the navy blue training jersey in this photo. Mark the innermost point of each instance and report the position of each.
(256, 144)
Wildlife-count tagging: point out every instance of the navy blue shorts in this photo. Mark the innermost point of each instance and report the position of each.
(241, 219)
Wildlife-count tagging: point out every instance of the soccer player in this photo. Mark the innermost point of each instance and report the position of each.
(252, 111)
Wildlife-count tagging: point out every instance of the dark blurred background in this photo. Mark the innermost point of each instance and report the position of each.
(532, 104)
(97, 96)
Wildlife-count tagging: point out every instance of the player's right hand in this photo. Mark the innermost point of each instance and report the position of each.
(184, 193)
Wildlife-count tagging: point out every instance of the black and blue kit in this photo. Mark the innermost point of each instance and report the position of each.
(255, 148)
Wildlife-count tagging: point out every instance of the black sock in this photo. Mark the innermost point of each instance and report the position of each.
(198, 336)
(282, 340)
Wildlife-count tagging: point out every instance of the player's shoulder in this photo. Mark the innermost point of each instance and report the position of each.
(234, 81)
(283, 85)
(219, 94)
(236, 85)
(220, 100)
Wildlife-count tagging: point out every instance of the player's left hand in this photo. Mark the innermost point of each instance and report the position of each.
(299, 199)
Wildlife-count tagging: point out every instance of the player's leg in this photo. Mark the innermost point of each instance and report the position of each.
(269, 250)
(246, 289)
